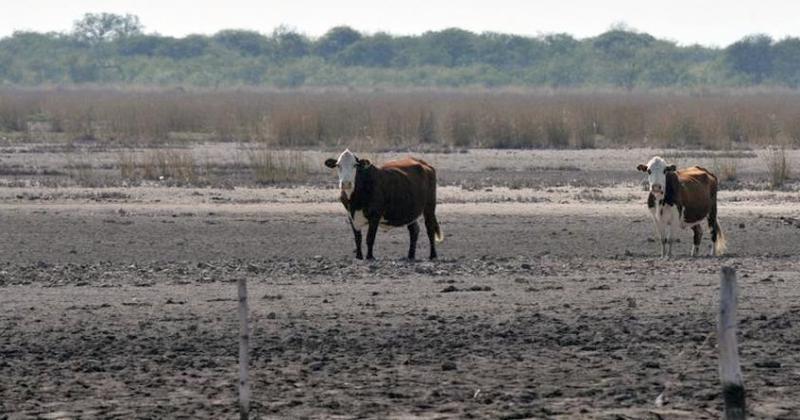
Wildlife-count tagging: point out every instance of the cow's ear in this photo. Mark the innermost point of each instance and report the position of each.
(364, 163)
(642, 168)
(671, 168)
(331, 163)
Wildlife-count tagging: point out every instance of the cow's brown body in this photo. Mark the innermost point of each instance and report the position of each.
(396, 194)
(693, 192)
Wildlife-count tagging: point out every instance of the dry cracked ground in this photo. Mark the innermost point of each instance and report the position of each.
(548, 301)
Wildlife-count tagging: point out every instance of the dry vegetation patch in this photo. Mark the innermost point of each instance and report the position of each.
(778, 166)
(392, 119)
(270, 166)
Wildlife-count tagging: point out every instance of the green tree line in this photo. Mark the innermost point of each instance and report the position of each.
(114, 49)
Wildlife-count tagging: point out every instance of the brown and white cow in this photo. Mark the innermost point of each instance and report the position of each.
(396, 194)
(683, 198)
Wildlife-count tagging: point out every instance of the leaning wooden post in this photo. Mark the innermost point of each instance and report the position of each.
(729, 370)
(244, 351)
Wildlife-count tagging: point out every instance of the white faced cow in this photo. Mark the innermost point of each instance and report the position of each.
(396, 194)
(683, 198)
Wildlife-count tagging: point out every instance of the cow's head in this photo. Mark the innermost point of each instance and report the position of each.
(347, 166)
(657, 170)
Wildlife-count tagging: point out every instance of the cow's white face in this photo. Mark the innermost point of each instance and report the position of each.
(346, 166)
(656, 171)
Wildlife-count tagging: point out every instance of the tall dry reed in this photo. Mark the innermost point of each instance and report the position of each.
(393, 119)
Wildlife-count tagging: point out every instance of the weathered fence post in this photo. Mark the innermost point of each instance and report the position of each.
(729, 370)
(244, 351)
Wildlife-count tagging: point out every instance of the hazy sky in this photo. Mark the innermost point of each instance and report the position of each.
(715, 23)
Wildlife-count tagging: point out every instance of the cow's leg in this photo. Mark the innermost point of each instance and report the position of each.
(661, 234)
(714, 238)
(698, 236)
(413, 232)
(672, 229)
(431, 225)
(657, 223)
(670, 220)
(371, 232)
(668, 240)
(357, 237)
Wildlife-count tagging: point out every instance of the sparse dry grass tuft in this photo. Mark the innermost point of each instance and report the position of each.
(80, 169)
(725, 169)
(593, 195)
(270, 166)
(778, 166)
(170, 164)
(126, 161)
(159, 164)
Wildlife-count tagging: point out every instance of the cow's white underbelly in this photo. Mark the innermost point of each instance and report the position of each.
(668, 214)
(685, 225)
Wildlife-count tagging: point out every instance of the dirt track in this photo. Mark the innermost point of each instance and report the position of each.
(123, 306)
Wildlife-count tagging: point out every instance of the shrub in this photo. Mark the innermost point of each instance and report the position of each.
(777, 166)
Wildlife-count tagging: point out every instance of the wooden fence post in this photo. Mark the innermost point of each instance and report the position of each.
(244, 351)
(731, 374)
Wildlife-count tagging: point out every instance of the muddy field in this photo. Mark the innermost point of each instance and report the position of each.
(547, 300)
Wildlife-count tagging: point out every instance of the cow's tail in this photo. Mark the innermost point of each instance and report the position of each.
(717, 235)
(721, 245)
(437, 232)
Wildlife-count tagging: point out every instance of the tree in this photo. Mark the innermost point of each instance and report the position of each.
(182, 48)
(751, 56)
(336, 40)
(786, 62)
(620, 44)
(507, 51)
(140, 45)
(560, 44)
(457, 45)
(245, 42)
(373, 51)
(288, 43)
(82, 69)
(94, 28)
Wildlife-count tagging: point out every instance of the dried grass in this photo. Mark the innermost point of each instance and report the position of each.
(159, 164)
(270, 166)
(778, 166)
(725, 169)
(394, 119)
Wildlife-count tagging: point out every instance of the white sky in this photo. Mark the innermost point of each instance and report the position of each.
(707, 22)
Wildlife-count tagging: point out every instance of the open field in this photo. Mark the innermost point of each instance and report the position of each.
(229, 165)
(547, 300)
